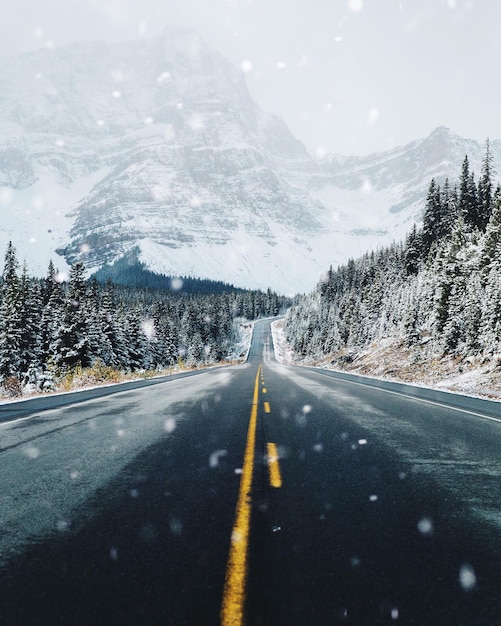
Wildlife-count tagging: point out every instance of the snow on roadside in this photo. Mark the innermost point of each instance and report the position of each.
(240, 350)
(391, 360)
(238, 354)
(283, 352)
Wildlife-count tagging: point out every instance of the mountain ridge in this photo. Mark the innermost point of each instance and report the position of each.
(158, 146)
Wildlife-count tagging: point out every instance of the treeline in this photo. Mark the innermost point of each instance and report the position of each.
(131, 272)
(49, 327)
(439, 291)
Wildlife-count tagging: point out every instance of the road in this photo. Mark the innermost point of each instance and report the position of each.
(257, 494)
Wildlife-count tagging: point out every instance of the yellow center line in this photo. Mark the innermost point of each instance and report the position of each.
(232, 609)
(273, 465)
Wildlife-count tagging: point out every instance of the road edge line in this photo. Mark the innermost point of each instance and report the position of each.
(443, 405)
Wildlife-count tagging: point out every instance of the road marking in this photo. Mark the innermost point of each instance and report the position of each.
(267, 407)
(232, 609)
(263, 390)
(442, 405)
(273, 465)
(18, 419)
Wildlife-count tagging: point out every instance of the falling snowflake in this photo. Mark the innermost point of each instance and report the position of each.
(373, 116)
(163, 77)
(148, 328)
(170, 424)
(425, 526)
(355, 5)
(467, 577)
(176, 284)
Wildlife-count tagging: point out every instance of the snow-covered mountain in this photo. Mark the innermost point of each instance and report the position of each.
(156, 148)
(391, 186)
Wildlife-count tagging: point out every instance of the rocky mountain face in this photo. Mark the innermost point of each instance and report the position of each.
(155, 150)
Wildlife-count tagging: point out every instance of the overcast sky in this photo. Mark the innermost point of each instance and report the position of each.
(347, 76)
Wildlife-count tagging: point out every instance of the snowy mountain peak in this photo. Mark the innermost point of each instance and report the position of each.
(156, 148)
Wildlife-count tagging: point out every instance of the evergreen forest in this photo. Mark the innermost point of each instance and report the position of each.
(438, 293)
(53, 331)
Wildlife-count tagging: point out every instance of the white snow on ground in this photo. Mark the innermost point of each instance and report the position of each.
(240, 350)
(283, 352)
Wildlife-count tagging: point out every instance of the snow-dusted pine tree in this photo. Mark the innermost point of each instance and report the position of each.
(10, 318)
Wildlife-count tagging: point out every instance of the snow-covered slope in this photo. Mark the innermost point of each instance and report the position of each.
(157, 146)
(384, 193)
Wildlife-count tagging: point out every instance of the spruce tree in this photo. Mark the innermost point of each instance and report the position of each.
(413, 250)
(491, 243)
(432, 219)
(491, 312)
(73, 333)
(450, 211)
(52, 315)
(485, 188)
(468, 198)
(474, 296)
(30, 311)
(10, 318)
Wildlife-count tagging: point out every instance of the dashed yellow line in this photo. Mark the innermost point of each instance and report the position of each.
(273, 466)
(233, 605)
(263, 390)
(266, 407)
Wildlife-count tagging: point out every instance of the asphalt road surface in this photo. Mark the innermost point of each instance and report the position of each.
(258, 494)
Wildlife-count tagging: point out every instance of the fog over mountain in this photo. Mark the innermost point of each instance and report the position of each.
(155, 150)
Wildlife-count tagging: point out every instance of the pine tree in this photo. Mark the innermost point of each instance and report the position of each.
(48, 283)
(413, 251)
(99, 347)
(72, 343)
(10, 318)
(485, 188)
(30, 311)
(454, 329)
(450, 210)
(491, 244)
(468, 199)
(474, 295)
(432, 219)
(448, 270)
(113, 336)
(52, 314)
(137, 343)
(491, 312)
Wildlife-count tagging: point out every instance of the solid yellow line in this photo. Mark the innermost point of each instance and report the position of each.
(267, 407)
(232, 609)
(273, 465)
